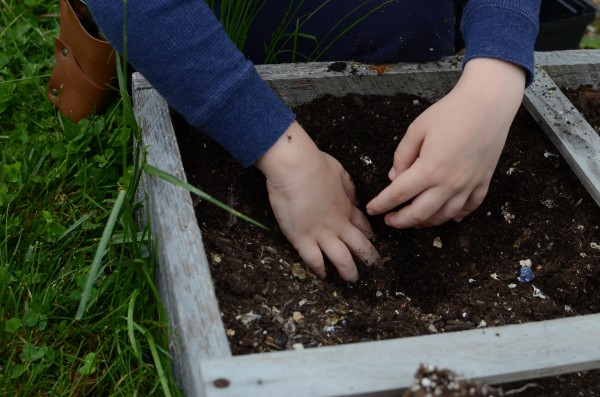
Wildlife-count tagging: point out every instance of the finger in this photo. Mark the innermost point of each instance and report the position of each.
(473, 202)
(340, 256)
(313, 258)
(407, 152)
(406, 186)
(349, 187)
(360, 246)
(359, 220)
(419, 211)
(447, 211)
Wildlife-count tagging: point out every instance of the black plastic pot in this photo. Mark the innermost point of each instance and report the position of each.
(563, 23)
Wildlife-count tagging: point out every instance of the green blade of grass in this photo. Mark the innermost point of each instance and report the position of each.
(151, 170)
(161, 372)
(130, 328)
(75, 225)
(93, 273)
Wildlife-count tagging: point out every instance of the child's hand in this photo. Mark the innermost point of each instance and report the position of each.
(445, 162)
(314, 203)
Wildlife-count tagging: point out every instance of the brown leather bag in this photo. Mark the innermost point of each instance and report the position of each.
(83, 79)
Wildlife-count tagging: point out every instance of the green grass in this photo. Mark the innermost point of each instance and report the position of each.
(237, 17)
(68, 236)
(285, 35)
(591, 39)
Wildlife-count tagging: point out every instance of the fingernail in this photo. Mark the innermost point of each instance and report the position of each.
(392, 173)
(387, 222)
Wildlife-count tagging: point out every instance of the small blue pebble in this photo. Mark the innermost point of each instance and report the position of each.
(527, 275)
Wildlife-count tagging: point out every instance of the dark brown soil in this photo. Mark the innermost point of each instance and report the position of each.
(449, 278)
(587, 100)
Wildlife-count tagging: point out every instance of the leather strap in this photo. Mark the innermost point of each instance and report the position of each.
(85, 69)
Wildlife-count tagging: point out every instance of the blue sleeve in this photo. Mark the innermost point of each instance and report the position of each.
(502, 29)
(182, 50)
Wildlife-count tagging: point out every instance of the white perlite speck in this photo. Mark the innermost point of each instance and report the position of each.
(537, 293)
(508, 217)
(365, 159)
(525, 263)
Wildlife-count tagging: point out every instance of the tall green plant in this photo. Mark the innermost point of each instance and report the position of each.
(237, 17)
(283, 37)
(325, 43)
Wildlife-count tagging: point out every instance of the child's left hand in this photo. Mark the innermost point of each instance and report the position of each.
(443, 166)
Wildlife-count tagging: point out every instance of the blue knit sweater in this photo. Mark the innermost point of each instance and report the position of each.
(183, 51)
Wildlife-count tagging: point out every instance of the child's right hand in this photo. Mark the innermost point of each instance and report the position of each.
(314, 203)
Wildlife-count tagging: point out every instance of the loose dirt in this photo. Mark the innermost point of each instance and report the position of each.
(454, 277)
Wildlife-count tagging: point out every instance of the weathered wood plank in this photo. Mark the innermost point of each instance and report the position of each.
(183, 275)
(575, 58)
(302, 82)
(493, 355)
(575, 139)
(298, 83)
(571, 68)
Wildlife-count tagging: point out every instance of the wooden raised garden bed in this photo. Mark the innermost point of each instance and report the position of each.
(202, 354)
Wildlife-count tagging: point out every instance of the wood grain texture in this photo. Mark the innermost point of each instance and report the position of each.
(575, 139)
(558, 62)
(571, 68)
(183, 276)
(493, 355)
(302, 82)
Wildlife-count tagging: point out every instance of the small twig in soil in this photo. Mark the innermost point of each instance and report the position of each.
(520, 389)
